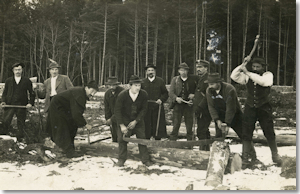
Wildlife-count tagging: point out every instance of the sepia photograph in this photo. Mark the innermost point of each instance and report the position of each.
(156, 95)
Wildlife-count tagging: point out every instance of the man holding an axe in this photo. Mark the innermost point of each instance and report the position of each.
(155, 121)
(15, 98)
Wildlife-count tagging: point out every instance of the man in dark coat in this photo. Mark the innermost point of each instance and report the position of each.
(130, 109)
(65, 115)
(110, 98)
(182, 92)
(257, 108)
(157, 95)
(16, 92)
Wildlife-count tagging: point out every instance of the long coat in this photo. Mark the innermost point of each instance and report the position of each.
(156, 90)
(65, 116)
(63, 83)
(200, 101)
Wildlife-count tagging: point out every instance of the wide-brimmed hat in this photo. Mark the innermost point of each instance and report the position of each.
(17, 65)
(202, 62)
(93, 84)
(135, 79)
(213, 78)
(112, 81)
(53, 64)
(259, 60)
(184, 66)
(150, 66)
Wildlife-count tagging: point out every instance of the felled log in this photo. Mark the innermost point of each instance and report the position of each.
(218, 160)
(193, 159)
(281, 139)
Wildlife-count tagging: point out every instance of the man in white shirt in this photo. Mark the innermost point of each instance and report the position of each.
(257, 108)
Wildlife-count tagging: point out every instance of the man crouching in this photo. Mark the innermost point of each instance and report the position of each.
(130, 109)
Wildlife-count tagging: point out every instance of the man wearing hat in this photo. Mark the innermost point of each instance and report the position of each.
(16, 90)
(130, 109)
(182, 91)
(200, 104)
(54, 85)
(258, 82)
(157, 95)
(65, 115)
(110, 98)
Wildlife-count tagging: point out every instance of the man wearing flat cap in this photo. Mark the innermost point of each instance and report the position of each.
(54, 85)
(157, 95)
(258, 81)
(110, 98)
(182, 92)
(130, 109)
(16, 92)
(65, 115)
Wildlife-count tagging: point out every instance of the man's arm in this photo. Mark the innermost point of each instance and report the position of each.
(213, 112)
(118, 108)
(107, 111)
(230, 106)
(77, 110)
(164, 92)
(264, 80)
(143, 111)
(4, 94)
(31, 93)
(172, 94)
(239, 76)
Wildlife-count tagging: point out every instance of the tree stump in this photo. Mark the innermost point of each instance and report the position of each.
(218, 160)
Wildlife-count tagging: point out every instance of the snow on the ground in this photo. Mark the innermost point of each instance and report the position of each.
(98, 173)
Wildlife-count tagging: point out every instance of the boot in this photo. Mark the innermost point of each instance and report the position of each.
(245, 155)
(254, 160)
(275, 156)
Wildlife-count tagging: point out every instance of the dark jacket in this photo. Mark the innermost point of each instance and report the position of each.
(156, 89)
(225, 103)
(126, 110)
(25, 86)
(199, 99)
(110, 101)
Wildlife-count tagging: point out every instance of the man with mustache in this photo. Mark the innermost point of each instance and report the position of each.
(16, 92)
(157, 95)
(110, 98)
(258, 82)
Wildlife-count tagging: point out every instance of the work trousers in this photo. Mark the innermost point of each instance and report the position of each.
(21, 117)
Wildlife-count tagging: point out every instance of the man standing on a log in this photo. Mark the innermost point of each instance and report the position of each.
(16, 90)
(110, 98)
(157, 95)
(182, 92)
(258, 82)
(54, 85)
(200, 104)
(65, 115)
(130, 109)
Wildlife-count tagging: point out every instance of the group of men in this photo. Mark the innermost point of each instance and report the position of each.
(139, 110)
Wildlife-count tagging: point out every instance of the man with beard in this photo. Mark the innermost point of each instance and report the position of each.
(65, 115)
(54, 85)
(110, 98)
(16, 90)
(182, 92)
(157, 95)
(257, 108)
(130, 109)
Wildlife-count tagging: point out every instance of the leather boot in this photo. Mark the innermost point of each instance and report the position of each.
(275, 156)
(254, 160)
(246, 154)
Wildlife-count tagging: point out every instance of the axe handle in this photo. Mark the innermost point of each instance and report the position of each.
(13, 106)
(253, 49)
(158, 118)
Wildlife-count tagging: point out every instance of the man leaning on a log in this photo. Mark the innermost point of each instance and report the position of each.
(157, 95)
(16, 90)
(65, 115)
(110, 98)
(182, 92)
(130, 109)
(258, 82)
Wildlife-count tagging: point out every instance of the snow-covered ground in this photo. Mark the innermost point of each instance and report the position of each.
(98, 173)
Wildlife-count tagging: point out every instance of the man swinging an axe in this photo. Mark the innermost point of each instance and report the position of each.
(155, 121)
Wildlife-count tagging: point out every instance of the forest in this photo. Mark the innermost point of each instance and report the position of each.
(95, 39)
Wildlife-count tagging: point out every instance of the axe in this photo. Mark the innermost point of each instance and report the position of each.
(253, 50)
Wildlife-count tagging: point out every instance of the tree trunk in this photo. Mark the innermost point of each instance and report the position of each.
(124, 63)
(104, 45)
(147, 34)
(259, 25)
(196, 36)
(155, 42)
(204, 32)
(94, 64)
(179, 33)
(70, 47)
(99, 64)
(279, 45)
(41, 51)
(118, 43)
(3, 52)
(109, 67)
(167, 56)
(135, 41)
(218, 161)
(228, 43)
(245, 31)
(174, 56)
(201, 31)
(183, 158)
(286, 51)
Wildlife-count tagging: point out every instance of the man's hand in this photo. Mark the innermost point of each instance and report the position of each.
(28, 106)
(226, 130)
(179, 100)
(244, 69)
(191, 96)
(219, 123)
(132, 124)
(158, 101)
(2, 103)
(108, 122)
(247, 59)
(89, 127)
(35, 86)
(124, 129)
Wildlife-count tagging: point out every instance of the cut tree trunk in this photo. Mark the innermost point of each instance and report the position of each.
(167, 156)
(218, 160)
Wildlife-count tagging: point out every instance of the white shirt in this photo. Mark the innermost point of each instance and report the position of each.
(151, 79)
(133, 96)
(53, 86)
(17, 79)
(184, 78)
